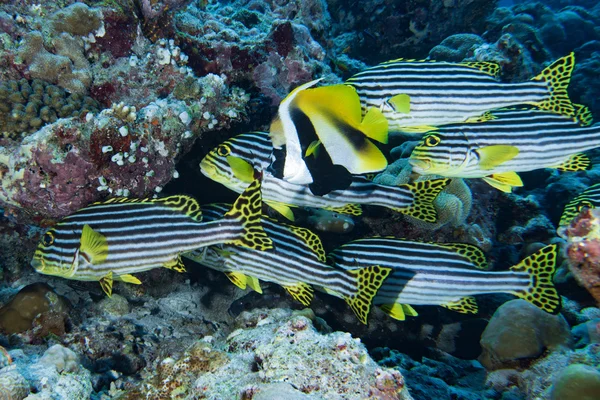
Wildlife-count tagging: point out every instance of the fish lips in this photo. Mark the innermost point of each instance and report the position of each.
(37, 264)
(419, 165)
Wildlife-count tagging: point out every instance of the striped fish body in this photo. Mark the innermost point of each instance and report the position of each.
(589, 198)
(449, 274)
(296, 263)
(111, 240)
(440, 93)
(256, 150)
(517, 140)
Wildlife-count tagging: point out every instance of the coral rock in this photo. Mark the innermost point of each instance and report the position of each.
(577, 382)
(519, 330)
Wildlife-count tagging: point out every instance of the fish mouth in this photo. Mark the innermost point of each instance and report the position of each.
(38, 264)
(419, 165)
(207, 169)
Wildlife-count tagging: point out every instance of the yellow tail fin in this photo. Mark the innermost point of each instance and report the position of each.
(424, 193)
(368, 282)
(247, 210)
(540, 266)
(558, 76)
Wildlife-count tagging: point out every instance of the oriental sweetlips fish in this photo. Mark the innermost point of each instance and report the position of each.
(329, 117)
(233, 163)
(448, 274)
(589, 198)
(296, 262)
(416, 96)
(111, 240)
(517, 140)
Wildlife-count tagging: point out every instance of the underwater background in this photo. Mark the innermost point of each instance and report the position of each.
(125, 98)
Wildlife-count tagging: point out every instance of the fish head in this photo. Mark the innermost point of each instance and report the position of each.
(439, 153)
(234, 161)
(56, 255)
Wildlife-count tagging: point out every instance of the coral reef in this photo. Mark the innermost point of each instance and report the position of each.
(583, 249)
(270, 44)
(577, 381)
(379, 31)
(28, 105)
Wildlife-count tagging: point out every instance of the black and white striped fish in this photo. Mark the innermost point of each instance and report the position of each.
(589, 198)
(111, 240)
(233, 163)
(449, 274)
(296, 262)
(517, 140)
(415, 96)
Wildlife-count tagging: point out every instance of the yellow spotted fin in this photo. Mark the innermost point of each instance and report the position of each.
(237, 278)
(486, 116)
(489, 68)
(492, 156)
(469, 251)
(176, 265)
(254, 284)
(504, 181)
(558, 76)
(577, 162)
(312, 240)
(540, 266)
(94, 246)
(106, 283)
(424, 193)
(368, 281)
(464, 305)
(348, 209)
(301, 292)
(246, 211)
(583, 115)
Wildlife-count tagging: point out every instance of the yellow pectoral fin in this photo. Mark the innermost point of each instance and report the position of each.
(465, 305)
(577, 162)
(94, 246)
(313, 148)
(492, 156)
(129, 279)
(106, 283)
(375, 125)
(282, 209)
(237, 278)
(504, 181)
(409, 311)
(400, 103)
(301, 292)
(395, 311)
(241, 169)
(254, 284)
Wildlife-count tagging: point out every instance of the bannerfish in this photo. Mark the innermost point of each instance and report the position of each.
(448, 274)
(517, 140)
(329, 117)
(296, 263)
(233, 163)
(589, 198)
(416, 96)
(113, 239)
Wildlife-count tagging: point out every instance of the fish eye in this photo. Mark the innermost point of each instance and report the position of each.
(48, 239)
(223, 150)
(432, 140)
(584, 205)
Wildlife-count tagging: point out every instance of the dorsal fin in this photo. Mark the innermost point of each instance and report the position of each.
(311, 239)
(469, 251)
(488, 68)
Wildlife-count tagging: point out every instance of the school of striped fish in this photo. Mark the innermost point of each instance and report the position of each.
(323, 143)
